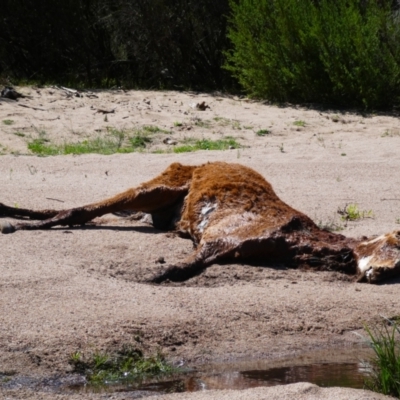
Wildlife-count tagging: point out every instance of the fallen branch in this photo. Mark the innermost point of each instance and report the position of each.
(33, 108)
(103, 111)
(50, 198)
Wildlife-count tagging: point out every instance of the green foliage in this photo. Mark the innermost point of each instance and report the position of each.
(351, 212)
(126, 365)
(205, 144)
(263, 132)
(299, 123)
(384, 376)
(8, 121)
(115, 142)
(102, 43)
(344, 52)
(153, 129)
(202, 123)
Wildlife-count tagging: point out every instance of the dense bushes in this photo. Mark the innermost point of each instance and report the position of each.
(171, 42)
(49, 40)
(148, 43)
(343, 52)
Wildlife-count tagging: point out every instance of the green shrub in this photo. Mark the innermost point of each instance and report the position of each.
(127, 365)
(384, 376)
(344, 52)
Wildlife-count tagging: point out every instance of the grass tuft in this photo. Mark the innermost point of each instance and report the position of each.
(205, 144)
(384, 375)
(263, 132)
(115, 142)
(153, 129)
(351, 212)
(127, 365)
(299, 123)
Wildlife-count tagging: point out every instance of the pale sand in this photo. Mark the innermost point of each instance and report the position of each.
(76, 289)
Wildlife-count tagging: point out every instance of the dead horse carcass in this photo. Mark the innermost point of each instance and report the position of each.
(231, 213)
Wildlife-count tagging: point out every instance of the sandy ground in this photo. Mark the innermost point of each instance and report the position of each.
(69, 290)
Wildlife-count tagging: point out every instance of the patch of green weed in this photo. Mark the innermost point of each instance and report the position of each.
(202, 123)
(263, 132)
(299, 123)
(115, 142)
(236, 125)
(351, 212)
(8, 121)
(391, 133)
(222, 121)
(384, 367)
(139, 141)
(127, 365)
(20, 134)
(206, 144)
(152, 129)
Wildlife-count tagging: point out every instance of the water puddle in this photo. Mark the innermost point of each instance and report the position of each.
(345, 368)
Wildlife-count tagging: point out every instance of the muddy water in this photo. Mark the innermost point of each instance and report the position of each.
(345, 368)
(342, 367)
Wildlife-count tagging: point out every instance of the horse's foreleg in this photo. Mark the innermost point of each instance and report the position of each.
(207, 253)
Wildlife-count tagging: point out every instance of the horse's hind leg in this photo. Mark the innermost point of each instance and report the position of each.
(160, 193)
(16, 212)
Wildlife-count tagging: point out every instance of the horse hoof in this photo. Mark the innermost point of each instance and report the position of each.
(6, 227)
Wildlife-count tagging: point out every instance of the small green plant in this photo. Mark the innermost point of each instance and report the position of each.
(20, 134)
(384, 368)
(236, 125)
(153, 129)
(3, 149)
(202, 123)
(222, 121)
(299, 123)
(263, 132)
(127, 365)
(351, 212)
(330, 226)
(398, 221)
(8, 121)
(206, 144)
(178, 123)
(139, 141)
(391, 133)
